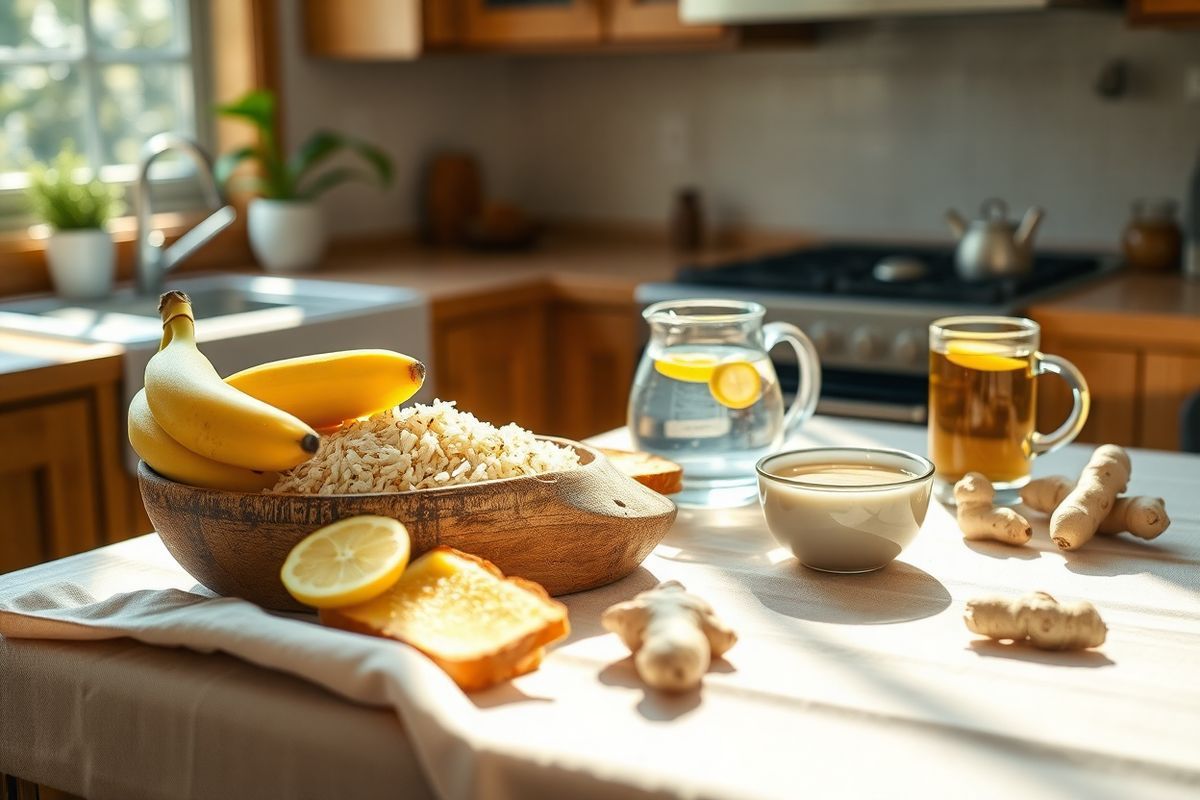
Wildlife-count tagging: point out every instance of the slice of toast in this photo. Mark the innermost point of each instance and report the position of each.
(460, 610)
(661, 475)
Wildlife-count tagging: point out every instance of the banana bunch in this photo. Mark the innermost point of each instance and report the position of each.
(236, 434)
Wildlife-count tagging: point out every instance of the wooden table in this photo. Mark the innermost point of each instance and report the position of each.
(839, 686)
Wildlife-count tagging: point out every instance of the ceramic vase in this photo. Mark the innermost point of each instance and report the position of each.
(82, 262)
(286, 235)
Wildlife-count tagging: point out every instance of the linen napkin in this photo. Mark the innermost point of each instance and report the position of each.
(55, 601)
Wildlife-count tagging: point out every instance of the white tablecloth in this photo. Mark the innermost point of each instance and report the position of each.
(839, 685)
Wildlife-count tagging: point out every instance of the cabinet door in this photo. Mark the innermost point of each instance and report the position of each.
(1164, 11)
(655, 20)
(593, 355)
(1112, 376)
(1167, 380)
(532, 22)
(49, 504)
(493, 363)
(364, 29)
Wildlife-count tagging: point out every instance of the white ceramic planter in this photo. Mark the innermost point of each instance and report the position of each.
(82, 262)
(286, 235)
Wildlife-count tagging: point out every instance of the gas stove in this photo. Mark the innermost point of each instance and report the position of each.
(867, 308)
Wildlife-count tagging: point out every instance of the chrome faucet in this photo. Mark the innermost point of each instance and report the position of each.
(153, 261)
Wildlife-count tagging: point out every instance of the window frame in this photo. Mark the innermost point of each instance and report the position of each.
(174, 191)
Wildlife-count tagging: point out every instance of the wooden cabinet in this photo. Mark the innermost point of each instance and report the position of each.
(380, 29)
(655, 20)
(557, 365)
(63, 486)
(531, 22)
(593, 353)
(404, 29)
(490, 357)
(49, 478)
(365, 29)
(1112, 377)
(1164, 12)
(1137, 341)
(1167, 380)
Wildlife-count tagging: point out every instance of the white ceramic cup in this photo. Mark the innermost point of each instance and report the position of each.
(858, 528)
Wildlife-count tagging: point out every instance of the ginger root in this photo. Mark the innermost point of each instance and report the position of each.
(1144, 517)
(673, 635)
(1077, 518)
(1039, 619)
(1046, 494)
(979, 520)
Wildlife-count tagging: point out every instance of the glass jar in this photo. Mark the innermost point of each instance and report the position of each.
(1152, 241)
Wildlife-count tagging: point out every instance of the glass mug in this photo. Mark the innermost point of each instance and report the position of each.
(706, 395)
(983, 401)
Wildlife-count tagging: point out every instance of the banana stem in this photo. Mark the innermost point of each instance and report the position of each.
(175, 304)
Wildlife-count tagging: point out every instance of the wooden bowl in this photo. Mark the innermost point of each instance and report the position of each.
(569, 531)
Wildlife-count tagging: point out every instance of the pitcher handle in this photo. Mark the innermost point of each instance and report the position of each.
(1081, 402)
(810, 371)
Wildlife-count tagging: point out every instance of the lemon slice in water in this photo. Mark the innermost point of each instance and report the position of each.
(983, 356)
(688, 367)
(351, 561)
(735, 384)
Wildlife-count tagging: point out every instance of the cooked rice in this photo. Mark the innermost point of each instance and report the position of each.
(421, 447)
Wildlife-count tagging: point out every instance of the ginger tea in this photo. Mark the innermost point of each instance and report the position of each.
(982, 400)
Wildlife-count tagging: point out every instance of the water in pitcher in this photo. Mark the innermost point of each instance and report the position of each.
(715, 409)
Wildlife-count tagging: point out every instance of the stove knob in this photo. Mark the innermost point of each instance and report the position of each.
(865, 344)
(824, 338)
(909, 347)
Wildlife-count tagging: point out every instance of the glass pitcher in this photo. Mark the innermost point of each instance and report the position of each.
(706, 395)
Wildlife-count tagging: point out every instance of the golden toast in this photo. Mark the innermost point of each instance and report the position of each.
(459, 610)
(661, 475)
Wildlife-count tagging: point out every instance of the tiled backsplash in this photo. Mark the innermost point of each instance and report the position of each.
(876, 129)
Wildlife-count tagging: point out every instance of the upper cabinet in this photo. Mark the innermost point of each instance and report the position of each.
(492, 23)
(1165, 12)
(399, 29)
(368, 29)
(655, 20)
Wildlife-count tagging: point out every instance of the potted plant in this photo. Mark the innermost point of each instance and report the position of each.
(80, 250)
(287, 233)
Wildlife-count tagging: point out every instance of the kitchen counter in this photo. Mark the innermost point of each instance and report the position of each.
(1129, 308)
(839, 685)
(35, 365)
(599, 269)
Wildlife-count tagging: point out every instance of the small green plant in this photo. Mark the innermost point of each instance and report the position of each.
(65, 204)
(295, 178)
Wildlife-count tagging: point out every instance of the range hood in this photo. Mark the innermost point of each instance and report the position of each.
(752, 11)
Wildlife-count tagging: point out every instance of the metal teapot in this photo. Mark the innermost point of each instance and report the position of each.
(992, 247)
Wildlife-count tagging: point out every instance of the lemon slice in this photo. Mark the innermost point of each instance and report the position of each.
(689, 367)
(351, 561)
(983, 356)
(735, 384)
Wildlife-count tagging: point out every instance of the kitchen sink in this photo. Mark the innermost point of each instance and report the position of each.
(241, 320)
(224, 305)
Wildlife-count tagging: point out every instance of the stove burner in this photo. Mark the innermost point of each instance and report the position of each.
(887, 273)
(899, 269)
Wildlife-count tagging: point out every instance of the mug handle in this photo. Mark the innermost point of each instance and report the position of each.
(1080, 395)
(810, 371)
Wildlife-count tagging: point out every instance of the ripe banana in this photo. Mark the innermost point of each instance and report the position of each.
(208, 416)
(169, 458)
(327, 389)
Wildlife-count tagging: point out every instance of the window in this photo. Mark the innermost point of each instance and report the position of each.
(103, 74)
